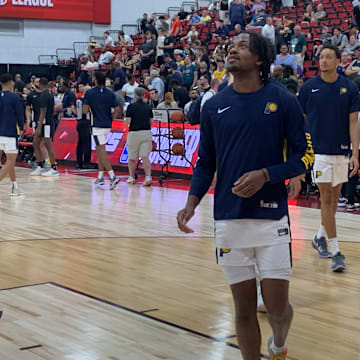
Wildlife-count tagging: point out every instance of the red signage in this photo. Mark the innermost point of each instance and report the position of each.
(97, 11)
(65, 141)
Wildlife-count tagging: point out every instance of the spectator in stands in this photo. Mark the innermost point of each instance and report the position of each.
(157, 83)
(222, 44)
(144, 23)
(284, 58)
(160, 47)
(268, 30)
(109, 41)
(325, 39)
(202, 56)
(169, 44)
(354, 30)
(203, 69)
(287, 3)
(352, 44)
(194, 95)
(195, 18)
(176, 26)
(191, 35)
(124, 40)
(118, 76)
(237, 14)
(167, 19)
(163, 24)
(152, 29)
(181, 96)
(128, 90)
(189, 73)
(277, 73)
(221, 29)
(237, 29)
(257, 4)
(275, 6)
(344, 63)
(154, 98)
(182, 14)
(210, 92)
(205, 17)
(308, 14)
(298, 46)
(86, 69)
(353, 69)
(220, 72)
(224, 11)
(176, 75)
(106, 58)
(259, 19)
(168, 103)
(148, 51)
(338, 39)
(126, 61)
(320, 14)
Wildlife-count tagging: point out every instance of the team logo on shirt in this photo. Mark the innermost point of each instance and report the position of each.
(270, 108)
(224, 251)
(343, 91)
(318, 174)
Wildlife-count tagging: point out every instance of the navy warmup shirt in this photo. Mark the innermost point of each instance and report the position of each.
(246, 132)
(12, 114)
(327, 107)
(101, 101)
(69, 99)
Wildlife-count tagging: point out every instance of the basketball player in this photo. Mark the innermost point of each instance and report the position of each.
(243, 133)
(11, 122)
(331, 104)
(100, 101)
(44, 131)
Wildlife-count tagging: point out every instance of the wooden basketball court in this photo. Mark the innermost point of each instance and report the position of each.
(91, 274)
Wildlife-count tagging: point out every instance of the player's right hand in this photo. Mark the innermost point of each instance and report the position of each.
(183, 218)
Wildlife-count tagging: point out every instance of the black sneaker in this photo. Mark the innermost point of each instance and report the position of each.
(100, 181)
(338, 263)
(113, 182)
(350, 207)
(342, 201)
(320, 245)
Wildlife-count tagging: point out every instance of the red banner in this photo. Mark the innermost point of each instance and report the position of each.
(65, 141)
(97, 11)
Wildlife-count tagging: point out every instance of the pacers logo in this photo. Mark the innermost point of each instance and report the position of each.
(343, 91)
(224, 251)
(270, 108)
(3, 2)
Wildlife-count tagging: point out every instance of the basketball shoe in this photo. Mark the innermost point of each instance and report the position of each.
(148, 181)
(338, 263)
(99, 181)
(37, 172)
(130, 180)
(113, 182)
(50, 173)
(273, 356)
(320, 245)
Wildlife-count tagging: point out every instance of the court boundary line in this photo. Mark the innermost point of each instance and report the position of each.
(136, 312)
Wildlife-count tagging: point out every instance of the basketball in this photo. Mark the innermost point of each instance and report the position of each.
(154, 145)
(177, 116)
(177, 133)
(178, 149)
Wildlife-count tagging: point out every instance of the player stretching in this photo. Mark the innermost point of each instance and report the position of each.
(243, 133)
(99, 101)
(331, 104)
(12, 119)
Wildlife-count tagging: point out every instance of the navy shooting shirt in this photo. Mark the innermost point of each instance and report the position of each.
(12, 114)
(245, 132)
(101, 101)
(327, 107)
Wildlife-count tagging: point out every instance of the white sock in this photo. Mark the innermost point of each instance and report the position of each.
(14, 183)
(277, 350)
(111, 174)
(148, 178)
(334, 246)
(321, 232)
(100, 174)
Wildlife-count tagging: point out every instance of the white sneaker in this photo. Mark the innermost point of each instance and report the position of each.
(148, 181)
(50, 173)
(37, 172)
(15, 191)
(131, 180)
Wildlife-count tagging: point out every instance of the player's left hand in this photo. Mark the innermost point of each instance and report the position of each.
(249, 184)
(295, 186)
(354, 166)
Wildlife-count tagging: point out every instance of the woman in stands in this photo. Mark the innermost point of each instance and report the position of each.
(308, 14)
(338, 39)
(344, 63)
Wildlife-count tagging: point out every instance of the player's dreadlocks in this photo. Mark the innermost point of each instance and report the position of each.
(264, 49)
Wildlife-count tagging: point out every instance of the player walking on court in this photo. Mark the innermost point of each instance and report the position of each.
(243, 133)
(44, 131)
(100, 101)
(331, 103)
(12, 119)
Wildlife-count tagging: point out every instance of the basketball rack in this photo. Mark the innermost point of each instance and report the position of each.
(166, 153)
